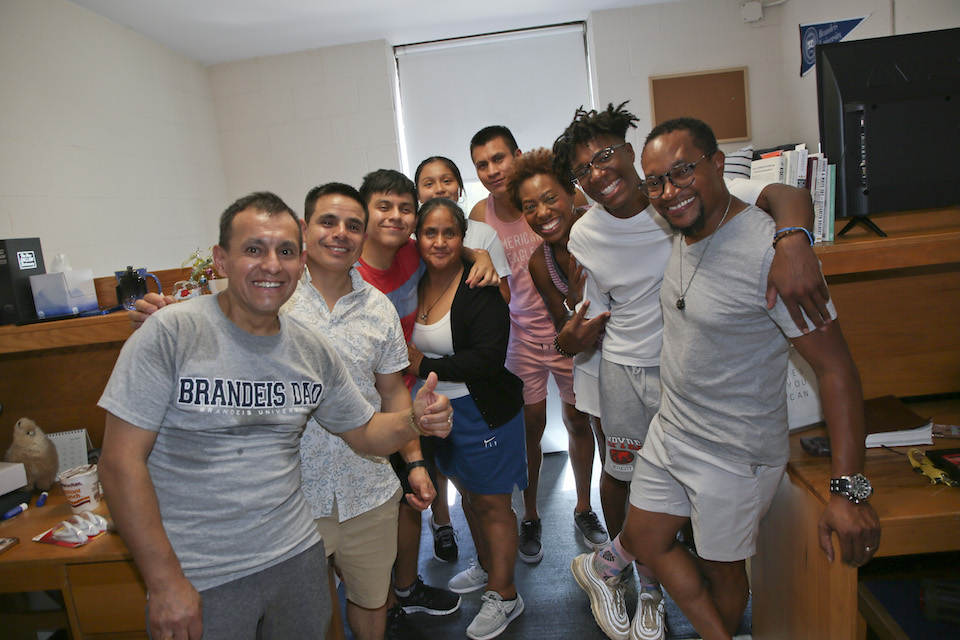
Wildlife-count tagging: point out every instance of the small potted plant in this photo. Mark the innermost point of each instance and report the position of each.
(203, 275)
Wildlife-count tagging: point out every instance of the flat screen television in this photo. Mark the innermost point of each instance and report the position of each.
(890, 119)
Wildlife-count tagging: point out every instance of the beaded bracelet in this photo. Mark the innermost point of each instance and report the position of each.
(415, 426)
(556, 345)
(786, 231)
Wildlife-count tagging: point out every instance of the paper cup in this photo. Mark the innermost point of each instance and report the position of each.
(217, 285)
(81, 485)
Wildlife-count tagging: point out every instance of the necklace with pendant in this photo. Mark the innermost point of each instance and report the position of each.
(423, 316)
(681, 304)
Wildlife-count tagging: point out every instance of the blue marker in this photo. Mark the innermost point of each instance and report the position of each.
(42, 500)
(14, 512)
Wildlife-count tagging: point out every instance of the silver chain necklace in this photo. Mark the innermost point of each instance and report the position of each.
(680, 302)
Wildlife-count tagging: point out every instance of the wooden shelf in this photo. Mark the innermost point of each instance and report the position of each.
(73, 332)
(898, 300)
(915, 239)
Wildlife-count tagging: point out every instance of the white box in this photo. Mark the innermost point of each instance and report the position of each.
(13, 476)
(64, 294)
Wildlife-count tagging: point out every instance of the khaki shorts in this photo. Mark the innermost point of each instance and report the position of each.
(724, 500)
(364, 549)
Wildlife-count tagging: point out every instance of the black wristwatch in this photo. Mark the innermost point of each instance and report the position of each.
(855, 488)
(416, 463)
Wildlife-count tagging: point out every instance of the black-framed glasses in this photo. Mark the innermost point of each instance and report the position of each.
(600, 160)
(680, 176)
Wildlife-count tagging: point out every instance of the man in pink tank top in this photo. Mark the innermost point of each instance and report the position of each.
(531, 354)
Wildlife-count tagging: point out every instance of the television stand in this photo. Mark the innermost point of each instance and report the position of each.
(867, 222)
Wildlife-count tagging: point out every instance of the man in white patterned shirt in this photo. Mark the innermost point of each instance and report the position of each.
(354, 498)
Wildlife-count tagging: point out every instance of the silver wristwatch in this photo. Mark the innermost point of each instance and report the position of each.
(855, 488)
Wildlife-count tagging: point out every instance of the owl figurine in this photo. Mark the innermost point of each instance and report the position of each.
(36, 452)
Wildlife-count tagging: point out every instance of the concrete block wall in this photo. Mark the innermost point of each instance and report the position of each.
(290, 122)
(109, 150)
(115, 150)
(629, 45)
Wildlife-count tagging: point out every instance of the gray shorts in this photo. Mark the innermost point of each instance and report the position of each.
(288, 600)
(629, 398)
(724, 500)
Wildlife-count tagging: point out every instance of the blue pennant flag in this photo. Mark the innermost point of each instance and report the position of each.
(814, 33)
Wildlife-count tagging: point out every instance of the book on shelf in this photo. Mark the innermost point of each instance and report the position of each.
(813, 160)
(802, 154)
(768, 169)
(831, 199)
(816, 193)
(790, 167)
(798, 167)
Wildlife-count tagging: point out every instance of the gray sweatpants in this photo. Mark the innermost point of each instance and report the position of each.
(287, 600)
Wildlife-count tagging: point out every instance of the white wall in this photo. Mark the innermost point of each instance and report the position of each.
(108, 142)
(629, 45)
(290, 122)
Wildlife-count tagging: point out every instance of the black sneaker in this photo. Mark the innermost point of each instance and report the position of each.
(430, 600)
(444, 542)
(530, 550)
(398, 627)
(590, 528)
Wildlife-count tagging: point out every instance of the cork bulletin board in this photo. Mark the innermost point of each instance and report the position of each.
(718, 97)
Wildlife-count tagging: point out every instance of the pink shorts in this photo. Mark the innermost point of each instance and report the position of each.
(532, 362)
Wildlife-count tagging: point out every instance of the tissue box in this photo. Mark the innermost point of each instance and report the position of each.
(13, 475)
(64, 294)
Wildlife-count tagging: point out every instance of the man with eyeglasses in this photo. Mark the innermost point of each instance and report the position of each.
(623, 246)
(717, 448)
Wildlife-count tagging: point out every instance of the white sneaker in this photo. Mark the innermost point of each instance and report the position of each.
(648, 621)
(494, 616)
(469, 580)
(606, 597)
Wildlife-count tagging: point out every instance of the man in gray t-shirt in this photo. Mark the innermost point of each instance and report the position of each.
(716, 450)
(200, 462)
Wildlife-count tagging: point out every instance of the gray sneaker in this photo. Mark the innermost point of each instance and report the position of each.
(469, 580)
(606, 597)
(494, 616)
(590, 528)
(648, 621)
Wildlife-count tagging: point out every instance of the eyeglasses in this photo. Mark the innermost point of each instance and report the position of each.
(680, 176)
(600, 160)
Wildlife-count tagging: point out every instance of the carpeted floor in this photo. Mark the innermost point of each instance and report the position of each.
(555, 606)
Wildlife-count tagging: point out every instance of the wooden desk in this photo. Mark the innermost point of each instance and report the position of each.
(796, 592)
(102, 590)
(898, 300)
(54, 372)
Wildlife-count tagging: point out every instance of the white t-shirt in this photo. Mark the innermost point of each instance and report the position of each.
(625, 259)
(480, 235)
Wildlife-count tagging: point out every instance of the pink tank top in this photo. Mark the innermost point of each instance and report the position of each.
(528, 315)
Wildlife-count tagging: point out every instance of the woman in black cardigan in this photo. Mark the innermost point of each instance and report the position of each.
(461, 334)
